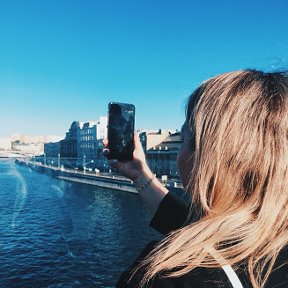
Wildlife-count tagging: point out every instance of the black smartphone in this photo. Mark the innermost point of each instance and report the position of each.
(121, 122)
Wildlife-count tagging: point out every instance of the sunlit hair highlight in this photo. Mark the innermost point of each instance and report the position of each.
(239, 179)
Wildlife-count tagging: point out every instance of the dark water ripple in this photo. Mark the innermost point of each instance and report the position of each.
(55, 234)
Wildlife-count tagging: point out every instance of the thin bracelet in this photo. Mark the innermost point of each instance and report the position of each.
(146, 184)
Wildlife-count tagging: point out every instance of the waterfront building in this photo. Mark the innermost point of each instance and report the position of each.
(151, 138)
(21, 138)
(33, 145)
(32, 149)
(162, 158)
(69, 147)
(5, 143)
(90, 146)
(39, 139)
(90, 134)
(82, 146)
(52, 149)
(51, 154)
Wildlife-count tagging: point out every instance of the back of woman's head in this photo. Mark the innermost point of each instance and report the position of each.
(239, 179)
(240, 126)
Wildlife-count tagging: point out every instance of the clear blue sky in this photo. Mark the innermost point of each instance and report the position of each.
(64, 60)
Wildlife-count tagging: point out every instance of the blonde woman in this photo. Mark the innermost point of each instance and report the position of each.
(234, 164)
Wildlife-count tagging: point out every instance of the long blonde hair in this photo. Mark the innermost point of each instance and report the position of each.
(239, 179)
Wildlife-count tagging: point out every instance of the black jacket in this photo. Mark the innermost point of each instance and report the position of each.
(171, 215)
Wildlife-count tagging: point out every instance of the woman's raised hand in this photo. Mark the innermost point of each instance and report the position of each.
(134, 168)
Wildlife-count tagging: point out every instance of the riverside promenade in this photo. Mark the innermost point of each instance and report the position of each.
(100, 179)
(11, 154)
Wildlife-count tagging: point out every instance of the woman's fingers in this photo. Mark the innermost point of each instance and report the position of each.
(137, 142)
(105, 142)
(138, 152)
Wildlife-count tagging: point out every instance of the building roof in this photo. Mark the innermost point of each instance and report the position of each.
(172, 143)
(175, 137)
(156, 132)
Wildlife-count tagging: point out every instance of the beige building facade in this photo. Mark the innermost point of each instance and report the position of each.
(5, 143)
(161, 149)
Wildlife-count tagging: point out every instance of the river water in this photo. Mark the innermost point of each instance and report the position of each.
(57, 234)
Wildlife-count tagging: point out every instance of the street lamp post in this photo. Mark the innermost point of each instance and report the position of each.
(58, 161)
(84, 163)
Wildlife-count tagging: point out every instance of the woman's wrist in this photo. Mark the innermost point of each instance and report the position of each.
(144, 176)
(150, 189)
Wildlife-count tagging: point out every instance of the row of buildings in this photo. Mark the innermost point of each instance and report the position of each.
(25, 144)
(82, 148)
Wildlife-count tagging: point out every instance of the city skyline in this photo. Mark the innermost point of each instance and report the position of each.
(62, 61)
